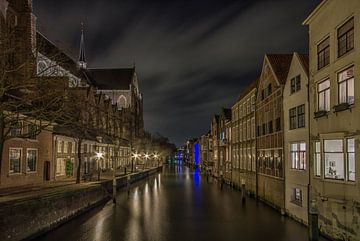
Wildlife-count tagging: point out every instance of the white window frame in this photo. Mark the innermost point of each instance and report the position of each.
(20, 160)
(36, 160)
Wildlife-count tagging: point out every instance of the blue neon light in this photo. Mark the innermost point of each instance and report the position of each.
(196, 154)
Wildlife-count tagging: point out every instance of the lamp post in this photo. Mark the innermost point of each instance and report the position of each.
(146, 159)
(134, 156)
(98, 155)
(156, 156)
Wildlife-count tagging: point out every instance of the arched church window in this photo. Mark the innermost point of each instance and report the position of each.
(122, 102)
(41, 68)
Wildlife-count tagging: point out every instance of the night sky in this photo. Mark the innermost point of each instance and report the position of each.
(192, 56)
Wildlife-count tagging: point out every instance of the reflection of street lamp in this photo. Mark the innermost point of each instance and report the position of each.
(98, 156)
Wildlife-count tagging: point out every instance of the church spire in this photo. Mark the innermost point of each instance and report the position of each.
(82, 61)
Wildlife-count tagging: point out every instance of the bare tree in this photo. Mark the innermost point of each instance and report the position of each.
(29, 102)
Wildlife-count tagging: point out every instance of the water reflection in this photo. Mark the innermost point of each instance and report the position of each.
(179, 205)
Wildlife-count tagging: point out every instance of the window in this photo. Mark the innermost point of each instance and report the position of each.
(15, 130)
(258, 130)
(298, 156)
(263, 129)
(248, 131)
(350, 156)
(253, 128)
(60, 166)
(301, 116)
(323, 53)
(346, 86)
(262, 94)
(297, 196)
(278, 124)
(324, 96)
(334, 159)
(73, 144)
(59, 146)
(31, 159)
(317, 158)
(15, 160)
(293, 119)
(248, 106)
(295, 84)
(345, 36)
(269, 90)
(66, 146)
(32, 131)
(253, 102)
(270, 127)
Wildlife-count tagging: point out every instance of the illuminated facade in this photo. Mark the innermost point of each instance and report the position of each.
(334, 60)
(244, 139)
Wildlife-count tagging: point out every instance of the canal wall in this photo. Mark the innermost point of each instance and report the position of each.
(25, 219)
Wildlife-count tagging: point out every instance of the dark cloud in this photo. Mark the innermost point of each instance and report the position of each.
(192, 57)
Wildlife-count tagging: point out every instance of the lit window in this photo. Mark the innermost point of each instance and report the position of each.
(334, 159)
(351, 159)
(15, 160)
(253, 128)
(31, 160)
(66, 146)
(345, 36)
(295, 84)
(346, 86)
(298, 156)
(324, 96)
(323, 52)
(317, 159)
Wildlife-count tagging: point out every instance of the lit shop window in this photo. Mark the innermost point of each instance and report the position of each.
(334, 159)
(15, 160)
(350, 153)
(346, 86)
(317, 158)
(298, 156)
(31, 159)
(324, 96)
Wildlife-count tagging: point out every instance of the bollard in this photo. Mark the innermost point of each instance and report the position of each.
(243, 197)
(221, 181)
(128, 184)
(114, 190)
(313, 221)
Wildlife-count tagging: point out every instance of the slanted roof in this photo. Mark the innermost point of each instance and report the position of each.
(112, 79)
(248, 89)
(304, 59)
(226, 113)
(280, 64)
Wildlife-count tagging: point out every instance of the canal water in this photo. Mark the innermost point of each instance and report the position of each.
(181, 205)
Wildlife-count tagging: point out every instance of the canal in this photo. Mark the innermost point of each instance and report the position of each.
(180, 205)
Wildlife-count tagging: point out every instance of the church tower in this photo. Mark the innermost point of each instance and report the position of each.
(82, 61)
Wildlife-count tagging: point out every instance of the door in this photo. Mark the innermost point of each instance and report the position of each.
(46, 171)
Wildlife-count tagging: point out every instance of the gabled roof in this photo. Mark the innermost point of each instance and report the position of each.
(304, 60)
(112, 79)
(280, 64)
(248, 89)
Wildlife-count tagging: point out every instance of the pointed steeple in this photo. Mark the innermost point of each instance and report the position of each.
(82, 60)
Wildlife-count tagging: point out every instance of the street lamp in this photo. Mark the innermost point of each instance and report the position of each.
(98, 156)
(146, 159)
(134, 156)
